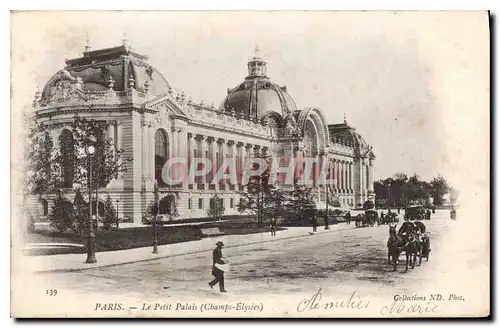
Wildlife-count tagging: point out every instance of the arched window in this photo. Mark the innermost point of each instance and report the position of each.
(167, 204)
(67, 147)
(161, 154)
(44, 207)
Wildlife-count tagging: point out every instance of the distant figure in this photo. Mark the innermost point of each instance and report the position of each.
(382, 215)
(428, 214)
(314, 222)
(453, 214)
(272, 226)
(433, 209)
(216, 272)
(399, 210)
(348, 218)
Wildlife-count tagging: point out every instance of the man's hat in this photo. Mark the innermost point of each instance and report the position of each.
(220, 243)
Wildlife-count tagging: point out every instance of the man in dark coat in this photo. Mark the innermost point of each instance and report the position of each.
(216, 272)
(272, 226)
(314, 222)
(348, 218)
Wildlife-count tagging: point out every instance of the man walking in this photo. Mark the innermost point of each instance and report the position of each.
(348, 218)
(314, 222)
(216, 271)
(272, 225)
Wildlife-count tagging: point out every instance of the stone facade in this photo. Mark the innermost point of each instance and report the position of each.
(151, 123)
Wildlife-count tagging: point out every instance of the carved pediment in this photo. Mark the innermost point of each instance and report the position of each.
(165, 104)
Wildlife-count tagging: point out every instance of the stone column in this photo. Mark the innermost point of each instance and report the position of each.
(212, 151)
(182, 152)
(351, 176)
(231, 149)
(151, 152)
(119, 142)
(361, 178)
(191, 146)
(204, 154)
(145, 152)
(337, 175)
(111, 132)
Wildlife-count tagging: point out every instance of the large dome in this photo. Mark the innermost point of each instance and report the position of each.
(257, 95)
(125, 68)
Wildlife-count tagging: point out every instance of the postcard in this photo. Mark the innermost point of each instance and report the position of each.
(250, 164)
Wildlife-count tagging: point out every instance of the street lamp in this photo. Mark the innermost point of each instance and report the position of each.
(90, 150)
(117, 201)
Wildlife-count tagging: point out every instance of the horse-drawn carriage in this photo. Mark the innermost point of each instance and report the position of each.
(389, 218)
(415, 212)
(411, 238)
(368, 218)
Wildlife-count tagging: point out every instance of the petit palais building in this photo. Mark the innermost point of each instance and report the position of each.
(152, 123)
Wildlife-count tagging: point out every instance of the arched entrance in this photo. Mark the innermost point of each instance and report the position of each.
(67, 148)
(168, 205)
(161, 154)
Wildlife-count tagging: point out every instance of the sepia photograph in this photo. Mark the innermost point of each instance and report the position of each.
(250, 164)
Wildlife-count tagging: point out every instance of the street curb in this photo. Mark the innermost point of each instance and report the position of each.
(174, 255)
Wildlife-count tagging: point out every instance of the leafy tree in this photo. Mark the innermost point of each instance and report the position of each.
(61, 216)
(80, 214)
(216, 208)
(152, 208)
(258, 195)
(300, 202)
(439, 187)
(41, 174)
(109, 218)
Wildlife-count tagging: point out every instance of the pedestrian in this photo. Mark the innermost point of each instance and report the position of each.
(314, 223)
(348, 218)
(217, 272)
(399, 210)
(272, 225)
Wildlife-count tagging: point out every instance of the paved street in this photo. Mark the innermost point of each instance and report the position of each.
(337, 262)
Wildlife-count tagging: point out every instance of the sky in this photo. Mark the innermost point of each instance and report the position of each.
(414, 84)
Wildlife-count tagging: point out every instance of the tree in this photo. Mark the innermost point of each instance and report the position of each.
(109, 218)
(41, 174)
(216, 208)
(80, 214)
(61, 216)
(258, 193)
(438, 188)
(300, 202)
(152, 208)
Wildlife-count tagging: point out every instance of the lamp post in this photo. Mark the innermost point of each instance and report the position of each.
(117, 219)
(90, 150)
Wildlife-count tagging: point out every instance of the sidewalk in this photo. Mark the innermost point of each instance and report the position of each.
(76, 262)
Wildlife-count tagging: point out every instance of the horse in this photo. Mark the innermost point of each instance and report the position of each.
(412, 248)
(395, 245)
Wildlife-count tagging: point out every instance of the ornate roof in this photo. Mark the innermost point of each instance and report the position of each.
(346, 135)
(117, 67)
(257, 95)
